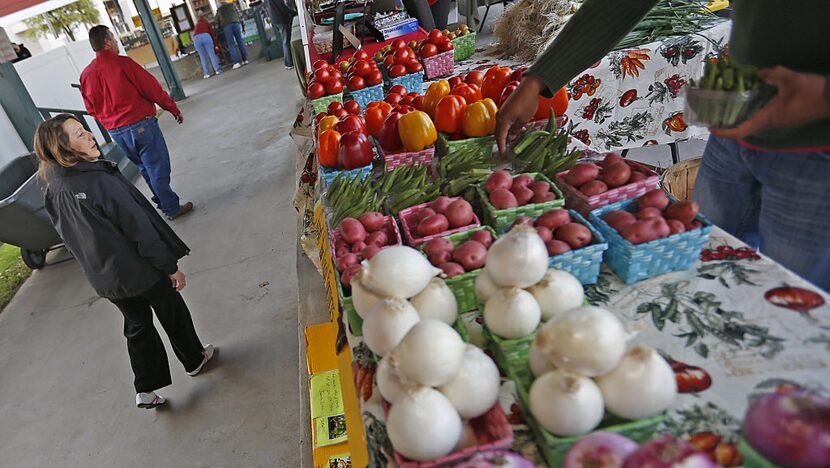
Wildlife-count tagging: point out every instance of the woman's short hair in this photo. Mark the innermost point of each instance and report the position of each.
(52, 145)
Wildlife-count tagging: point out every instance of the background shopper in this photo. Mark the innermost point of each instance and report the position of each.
(282, 18)
(231, 24)
(431, 14)
(206, 44)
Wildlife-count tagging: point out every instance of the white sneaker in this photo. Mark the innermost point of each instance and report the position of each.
(244, 62)
(206, 77)
(208, 354)
(219, 73)
(149, 400)
(236, 65)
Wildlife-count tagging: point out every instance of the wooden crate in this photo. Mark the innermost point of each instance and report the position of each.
(679, 179)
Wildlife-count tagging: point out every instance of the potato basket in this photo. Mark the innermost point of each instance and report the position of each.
(321, 104)
(439, 65)
(408, 225)
(502, 220)
(583, 263)
(576, 200)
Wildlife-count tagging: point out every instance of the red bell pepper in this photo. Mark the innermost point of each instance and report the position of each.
(449, 114)
(388, 136)
(518, 74)
(508, 90)
(355, 150)
(470, 92)
(351, 123)
(494, 82)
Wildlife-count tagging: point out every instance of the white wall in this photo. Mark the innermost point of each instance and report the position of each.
(11, 146)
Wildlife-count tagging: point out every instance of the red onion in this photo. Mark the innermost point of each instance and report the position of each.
(600, 450)
(497, 459)
(668, 452)
(790, 429)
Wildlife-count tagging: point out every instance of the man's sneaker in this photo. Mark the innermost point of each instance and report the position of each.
(206, 77)
(149, 400)
(208, 354)
(183, 210)
(244, 62)
(289, 67)
(219, 73)
(236, 65)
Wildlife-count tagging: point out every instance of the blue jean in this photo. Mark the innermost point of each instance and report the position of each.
(233, 35)
(775, 201)
(144, 145)
(285, 34)
(204, 46)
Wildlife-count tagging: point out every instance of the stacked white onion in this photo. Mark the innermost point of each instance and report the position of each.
(432, 378)
(579, 355)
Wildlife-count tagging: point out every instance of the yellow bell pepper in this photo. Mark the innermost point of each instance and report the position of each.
(326, 123)
(480, 118)
(434, 94)
(416, 131)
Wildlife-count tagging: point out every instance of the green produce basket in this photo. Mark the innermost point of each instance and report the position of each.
(347, 308)
(502, 220)
(512, 356)
(445, 146)
(463, 286)
(465, 46)
(753, 459)
(322, 104)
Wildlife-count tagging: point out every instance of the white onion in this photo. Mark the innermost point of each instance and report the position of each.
(422, 425)
(398, 271)
(641, 386)
(431, 353)
(557, 292)
(475, 389)
(387, 323)
(390, 384)
(539, 362)
(475, 332)
(436, 301)
(566, 404)
(468, 437)
(512, 313)
(484, 285)
(588, 341)
(518, 259)
(362, 299)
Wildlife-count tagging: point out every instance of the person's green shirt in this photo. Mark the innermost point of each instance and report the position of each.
(227, 14)
(765, 33)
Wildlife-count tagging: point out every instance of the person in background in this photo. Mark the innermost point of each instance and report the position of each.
(127, 252)
(231, 24)
(431, 14)
(282, 18)
(122, 95)
(765, 181)
(206, 44)
(21, 51)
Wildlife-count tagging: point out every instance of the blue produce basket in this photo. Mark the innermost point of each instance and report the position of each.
(411, 81)
(583, 263)
(369, 94)
(328, 174)
(633, 262)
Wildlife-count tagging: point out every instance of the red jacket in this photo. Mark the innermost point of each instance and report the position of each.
(117, 91)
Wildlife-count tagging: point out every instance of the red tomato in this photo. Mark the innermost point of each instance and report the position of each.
(362, 55)
(402, 55)
(474, 77)
(334, 106)
(334, 87)
(319, 64)
(429, 50)
(336, 75)
(374, 78)
(341, 113)
(413, 94)
(356, 83)
(445, 46)
(316, 90)
(406, 100)
(393, 98)
(398, 43)
(353, 107)
(388, 61)
(454, 81)
(434, 36)
(397, 70)
(418, 102)
(397, 89)
(319, 116)
(322, 75)
(361, 68)
(414, 66)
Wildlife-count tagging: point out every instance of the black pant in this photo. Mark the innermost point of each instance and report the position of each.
(147, 355)
(429, 17)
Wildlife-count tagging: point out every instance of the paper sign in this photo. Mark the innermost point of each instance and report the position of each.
(327, 409)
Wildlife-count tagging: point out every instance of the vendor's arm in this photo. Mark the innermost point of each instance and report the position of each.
(592, 32)
(801, 98)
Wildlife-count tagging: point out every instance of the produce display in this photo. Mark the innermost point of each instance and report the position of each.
(399, 59)
(440, 217)
(546, 151)
(559, 232)
(407, 186)
(593, 179)
(436, 43)
(657, 217)
(457, 260)
(324, 80)
(363, 238)
(351, 197)
(343, 140)
(361, 71)
(507, 191)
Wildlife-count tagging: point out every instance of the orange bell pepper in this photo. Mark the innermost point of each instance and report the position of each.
(387, 108)
(559, 104)
(449, 114)
(327, 122)
(374, 118)
(416, 131)
(470, 92)
(434, 94)
(327, 146)
(480, 118)
(494, 82)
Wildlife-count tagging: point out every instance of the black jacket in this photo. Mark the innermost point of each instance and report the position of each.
(121, 242)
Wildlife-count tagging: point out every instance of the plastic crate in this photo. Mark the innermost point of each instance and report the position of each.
(502, 220)
(576, 200)
(445, 146)
(405, 158)
(411, 81)
(366, 95)
(407, 225)
(634, 262)
(442, 64)
(583, 263)
(322, 104)
(328, 174)
(464, 46)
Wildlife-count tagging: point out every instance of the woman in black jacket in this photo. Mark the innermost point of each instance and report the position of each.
(127, 252)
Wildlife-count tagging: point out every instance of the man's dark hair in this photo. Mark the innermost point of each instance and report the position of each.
(97, 36)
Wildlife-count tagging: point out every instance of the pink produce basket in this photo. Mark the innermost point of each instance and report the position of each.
(407, 225)
(389, 225)
(439, 65)
(574, 199)
(406, 158)
(492, 431)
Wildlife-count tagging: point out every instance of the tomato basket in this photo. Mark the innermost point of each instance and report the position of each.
(321, 104)
(407, 215)
(464, 46)
(439, 65)
(576, 200)
(411, 81)
(368, 94)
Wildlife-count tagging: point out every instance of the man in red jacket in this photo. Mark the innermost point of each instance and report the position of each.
(123, 96)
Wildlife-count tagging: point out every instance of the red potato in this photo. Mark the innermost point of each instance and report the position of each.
(694, 225)
(342, 250)
(523, 180)
(503, 198)
(471, 255)
(440, 257)
(372, 221)
(438, 245)
(358, 247)
(522, 193)
(346, 261)
(610, 158)
(422, 214)
(581, 173)
(545, 233)
(675, 226)
(594, 187)
(556, 247)
(646, 230)
(574, 234)
(539, 188)
(619, 219)
(340, 242)
(616, 174)
(649, 212)
(460, 213)
(483, 237)
(637, 176)
(498, 180)
(352, 230)
(683, 211)
(554, 218)
(435, 224)
(348, 274)
(543, 197)
(522, 220)
(440, 204)
(370, 251)
(378, 238)
(656, 198)
(452, 269)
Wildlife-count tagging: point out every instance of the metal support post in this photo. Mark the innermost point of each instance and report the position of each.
(160, 50)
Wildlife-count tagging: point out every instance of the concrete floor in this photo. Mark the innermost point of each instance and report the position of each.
(66, 394)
